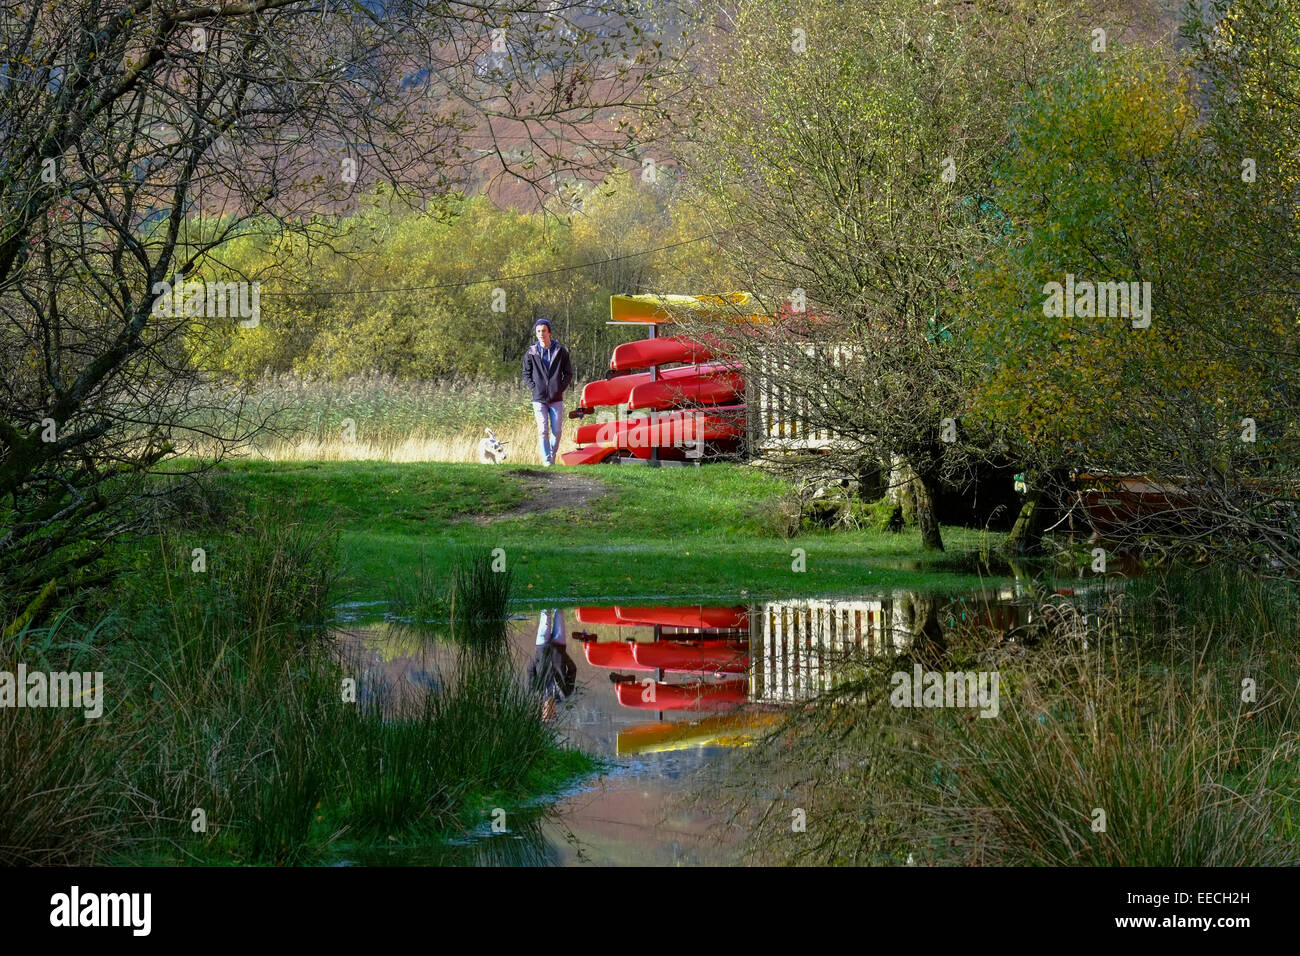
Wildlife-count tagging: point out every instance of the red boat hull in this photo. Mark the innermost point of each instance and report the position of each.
(715, 424)
(698, 696)
(598, 615)
(657, 351)
(731, 618)
(615, 391)
(677, 657)
(712, 389)
(591, 455)
(614, 654)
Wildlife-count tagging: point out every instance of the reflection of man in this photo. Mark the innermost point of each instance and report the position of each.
(552, 672)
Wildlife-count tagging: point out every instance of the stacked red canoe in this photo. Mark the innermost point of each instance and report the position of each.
(668, 410)
(701, 641)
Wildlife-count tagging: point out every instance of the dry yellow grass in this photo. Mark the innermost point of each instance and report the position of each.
(519, 438)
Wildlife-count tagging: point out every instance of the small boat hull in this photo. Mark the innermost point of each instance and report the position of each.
(712, 389)
(590, 455)
(728, 618)
(612, 654)
(615, 391)
(702, 657)
(647, 352)
(684, 425)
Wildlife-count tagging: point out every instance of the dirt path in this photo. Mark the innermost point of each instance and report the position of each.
(548, 491)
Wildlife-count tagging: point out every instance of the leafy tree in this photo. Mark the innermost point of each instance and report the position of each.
(833, 157)
(141, 136)
(1115, 175)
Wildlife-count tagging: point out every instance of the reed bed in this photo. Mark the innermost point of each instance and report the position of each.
(238, 732)
(381, 418)
(1162, 730)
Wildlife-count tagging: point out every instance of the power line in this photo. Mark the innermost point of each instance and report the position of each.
(497, 279)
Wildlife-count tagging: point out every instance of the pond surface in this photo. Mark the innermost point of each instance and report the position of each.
(665, 695)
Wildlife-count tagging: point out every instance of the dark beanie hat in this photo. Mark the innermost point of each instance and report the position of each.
(545, 322)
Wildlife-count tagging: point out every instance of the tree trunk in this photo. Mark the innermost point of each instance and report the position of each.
(1026, 535)
(925, 488)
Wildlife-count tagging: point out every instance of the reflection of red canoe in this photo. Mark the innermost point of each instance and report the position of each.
(679, 657)
(647, 352)
(696, 696)
(614, 391)
(668, 428)
(615, 654)
(710, 389)
(598, 615)
(692, 616)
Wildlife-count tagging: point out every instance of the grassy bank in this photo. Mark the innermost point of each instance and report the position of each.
(235, 730)
(618, 533)
(1159, 733)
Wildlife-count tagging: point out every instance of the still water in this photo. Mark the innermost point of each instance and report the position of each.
(666, 696)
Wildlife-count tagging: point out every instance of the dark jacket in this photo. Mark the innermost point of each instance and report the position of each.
(547, 385)
(552, 672)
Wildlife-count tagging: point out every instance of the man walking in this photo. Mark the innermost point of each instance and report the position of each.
(547, 373)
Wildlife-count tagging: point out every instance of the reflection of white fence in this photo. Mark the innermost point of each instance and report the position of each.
(800, 649)
(781, 419)
(802, 645)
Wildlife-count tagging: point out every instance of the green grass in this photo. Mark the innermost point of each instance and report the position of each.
(1140, 715)
(225, 695)
(712, 532)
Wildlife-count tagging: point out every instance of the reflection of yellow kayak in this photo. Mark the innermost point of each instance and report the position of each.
(660, 308)
(726, 730)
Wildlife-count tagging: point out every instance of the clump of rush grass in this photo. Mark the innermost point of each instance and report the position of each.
(480, 589)
(412, 763)
(1099, 760)
(59, 788)
(421, 601)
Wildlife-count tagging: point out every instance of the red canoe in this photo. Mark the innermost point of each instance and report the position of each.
(696, 657)
(591, 455)
(657, 351)
(595, 454)
(711, 389)
(615, 391)
(615, 654)
(714, 424)
(697, 696)
(692, 616)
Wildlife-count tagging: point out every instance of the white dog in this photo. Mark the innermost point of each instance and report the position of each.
(491, 451)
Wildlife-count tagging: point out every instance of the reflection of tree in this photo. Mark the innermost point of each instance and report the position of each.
(920, 613)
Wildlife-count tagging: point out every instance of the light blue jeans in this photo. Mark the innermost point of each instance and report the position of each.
(548, 414)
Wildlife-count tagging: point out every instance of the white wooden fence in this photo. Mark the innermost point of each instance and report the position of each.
(780, 420)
